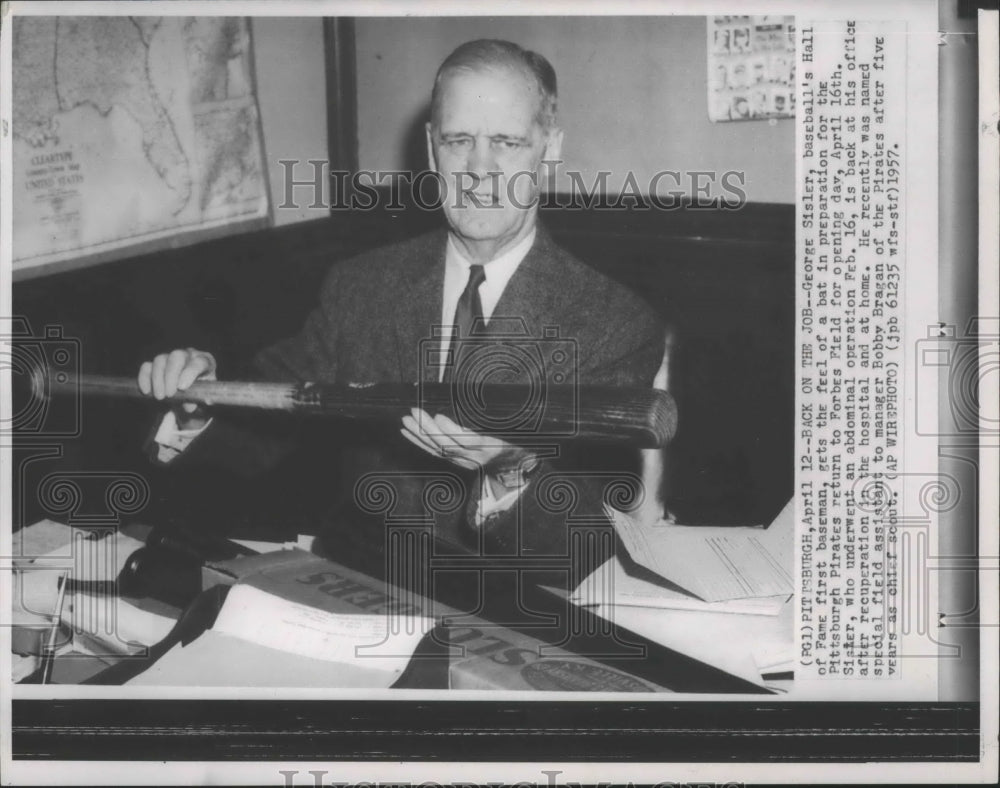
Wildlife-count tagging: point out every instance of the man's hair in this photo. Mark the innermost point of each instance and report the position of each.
(485, 54)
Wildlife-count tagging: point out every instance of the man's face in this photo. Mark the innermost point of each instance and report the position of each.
(488, 147)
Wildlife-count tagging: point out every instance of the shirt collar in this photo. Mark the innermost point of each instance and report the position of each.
(500, 269)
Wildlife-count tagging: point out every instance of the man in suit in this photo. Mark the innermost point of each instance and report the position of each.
(499, 287)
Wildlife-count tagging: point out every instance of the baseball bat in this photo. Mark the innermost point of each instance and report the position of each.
(640, 417)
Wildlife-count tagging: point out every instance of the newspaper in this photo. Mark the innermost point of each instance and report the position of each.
(864, 116)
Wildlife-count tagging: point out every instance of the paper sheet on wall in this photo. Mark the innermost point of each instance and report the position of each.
(751, 67)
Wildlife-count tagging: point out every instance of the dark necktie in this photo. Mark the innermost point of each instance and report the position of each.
(467, 312)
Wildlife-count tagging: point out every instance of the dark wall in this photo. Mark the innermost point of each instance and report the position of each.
(723, 279)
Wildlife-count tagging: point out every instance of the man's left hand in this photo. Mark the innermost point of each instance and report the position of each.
(442, 437)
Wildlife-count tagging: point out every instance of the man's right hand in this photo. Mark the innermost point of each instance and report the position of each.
(171, 372)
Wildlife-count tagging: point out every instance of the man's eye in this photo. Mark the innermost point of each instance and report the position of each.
(507, 144)
(458, 143)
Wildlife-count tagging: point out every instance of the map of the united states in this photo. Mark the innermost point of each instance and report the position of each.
(102, 105)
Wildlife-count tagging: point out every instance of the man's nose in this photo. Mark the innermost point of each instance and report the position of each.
(482, 160)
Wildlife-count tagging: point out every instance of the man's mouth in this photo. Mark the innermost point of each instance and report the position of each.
(482, 200)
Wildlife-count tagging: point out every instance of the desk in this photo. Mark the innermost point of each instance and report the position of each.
(574, 652)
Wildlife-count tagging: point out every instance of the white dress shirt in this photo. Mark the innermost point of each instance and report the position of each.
(498, 272)
(456, 276)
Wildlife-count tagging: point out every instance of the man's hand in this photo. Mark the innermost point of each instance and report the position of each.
(171, 372)
(442, 437)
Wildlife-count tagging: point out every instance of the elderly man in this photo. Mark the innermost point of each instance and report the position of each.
(492, 128)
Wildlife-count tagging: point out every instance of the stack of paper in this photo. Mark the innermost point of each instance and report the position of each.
(46, 537)
(263, 640)
(302, 542)
(92, 607)
(713, 563)
(23, 666)
(719, 595)
(611, 584)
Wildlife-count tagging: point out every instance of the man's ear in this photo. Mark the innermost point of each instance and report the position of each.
(431, 158)
(553, 145)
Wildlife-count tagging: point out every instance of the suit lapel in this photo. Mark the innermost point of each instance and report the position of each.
(530, 295)
(528, 299)
(420, 308)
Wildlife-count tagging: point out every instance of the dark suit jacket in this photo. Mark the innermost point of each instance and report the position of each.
(376, 315)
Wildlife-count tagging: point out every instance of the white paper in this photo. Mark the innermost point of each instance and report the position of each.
(116, 623)
(721, 640)
(305, 542)
(774, 657)
(217, 660)
(44, 538)
(36, 580)
(713, 563)
(378, 641)
(264, 547)
(611, 584)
